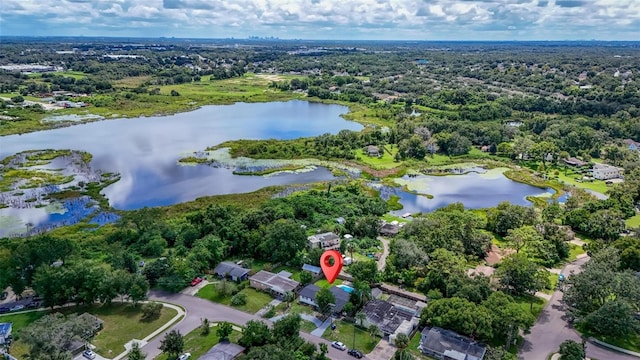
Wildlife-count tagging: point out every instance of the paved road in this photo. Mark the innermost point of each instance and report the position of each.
(198, 309)
(385, 252)
(551, 329)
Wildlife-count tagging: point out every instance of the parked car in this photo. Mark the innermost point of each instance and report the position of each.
(196, 281)
(355, 353)
(4, 295)
(4, 309)
(33, 305)
(89, 354)
(16, 308)
(184, 356)
(338, 345)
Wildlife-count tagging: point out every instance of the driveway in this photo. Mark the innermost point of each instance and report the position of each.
(385, 252)
(551, 329)
(198, 309)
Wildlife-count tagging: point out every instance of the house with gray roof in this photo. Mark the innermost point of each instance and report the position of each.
(309, 292)
(5, 332)
(231, 270)
(389, 318)
(325, 241)
(448, 345)
(223, 351)
(276, 284)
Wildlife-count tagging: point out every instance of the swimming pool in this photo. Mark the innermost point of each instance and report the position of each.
(346, 288)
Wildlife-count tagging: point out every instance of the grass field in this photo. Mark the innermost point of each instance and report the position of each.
(386, 161)
(197, 344)
(121, 324)
(595, 185)
(323, 283)
(525, 303)
(574, 251)
(256, 300)
(344, 333)
(633, 222)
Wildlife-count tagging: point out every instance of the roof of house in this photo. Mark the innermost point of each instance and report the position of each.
(385, 315)
(342, 297)
(372, 148)
(311, 268)
(328, 236)
(574, 161)
(631, 142)
(389, 228)
(5, 328)
(605, 167)
(223, 351)
(275, 281)
(97, 322)
(446, 341)
(229, 268)
(309, 291)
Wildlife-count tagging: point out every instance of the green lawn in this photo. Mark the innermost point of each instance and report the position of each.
(630, 343)
(595, 185)
(307, 326)
(344, 333)
(295, 308)
(121, 324)
(633, 222)
(386, 161)
(323, 283)
(525, 304)
(256, 300)
(553, 281)
(197, 344)
(574, 251)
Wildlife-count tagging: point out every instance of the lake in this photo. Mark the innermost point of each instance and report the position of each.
(474, 190)
(145, 150)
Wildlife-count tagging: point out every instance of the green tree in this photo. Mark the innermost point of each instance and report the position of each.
(401, 342)
(136, 353)
(325, 300)
(571, 350)
(172, 343)
(224, 330)
(615, 318)
(459, 315)
(520, 237)
(287, 328)
(49, 335)
(284, 239)
(151, 311)
(305, 278)
(205, 327)
(255, 333)
(521, 276)
(366, 271)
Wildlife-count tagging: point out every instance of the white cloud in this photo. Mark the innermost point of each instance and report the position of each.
(446, 19)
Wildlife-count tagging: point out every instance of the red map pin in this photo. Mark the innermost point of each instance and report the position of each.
(331, 271)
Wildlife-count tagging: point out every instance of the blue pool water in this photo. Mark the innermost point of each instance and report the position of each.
(346, 288)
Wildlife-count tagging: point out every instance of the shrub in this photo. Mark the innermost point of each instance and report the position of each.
(239, 299)
(151, 310)
(270, 313)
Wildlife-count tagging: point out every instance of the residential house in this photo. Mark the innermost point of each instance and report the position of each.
(372, 150)
(276, 284)
(390, 319)
(575, 162)
(96, 324)
(231, 270)
(388, 229)
(325, 241)
(315, 270)
(632, 145)
(5, 333)
(223, 351)
(606, 172)
(448, 345)
(309, 292)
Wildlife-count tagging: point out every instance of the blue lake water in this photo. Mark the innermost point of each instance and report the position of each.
(472, 189)
(145, 150)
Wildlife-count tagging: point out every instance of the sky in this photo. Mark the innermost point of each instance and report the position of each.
(327, 19)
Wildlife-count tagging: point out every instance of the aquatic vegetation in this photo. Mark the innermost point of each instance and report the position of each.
(264, 167)
(48, 188)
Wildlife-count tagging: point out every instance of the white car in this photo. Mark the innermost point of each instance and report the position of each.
(184, 356)
(17, 307)
(339, 345)
(89, 354)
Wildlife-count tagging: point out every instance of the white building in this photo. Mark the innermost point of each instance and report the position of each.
(606, 172)
(325, 241)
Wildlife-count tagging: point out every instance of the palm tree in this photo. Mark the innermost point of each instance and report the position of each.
(402, 341)
(360, 317)
(373, 332)
(288, 298)
(351, 247)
